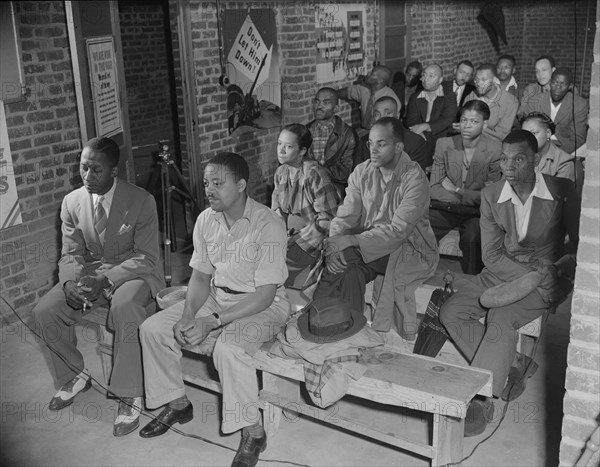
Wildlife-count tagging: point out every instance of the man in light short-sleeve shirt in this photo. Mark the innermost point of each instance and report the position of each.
(235, 302)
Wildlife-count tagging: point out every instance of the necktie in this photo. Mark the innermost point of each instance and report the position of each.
(429, 97)
(100, 219)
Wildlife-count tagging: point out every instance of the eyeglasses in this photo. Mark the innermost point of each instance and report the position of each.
(379, 145)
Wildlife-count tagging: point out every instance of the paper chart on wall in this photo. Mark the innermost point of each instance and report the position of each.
(105, 87)
(341, 42)
(10, 212)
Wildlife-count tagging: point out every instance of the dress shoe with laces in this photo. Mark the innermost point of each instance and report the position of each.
(479, 413)
(249, 450)
(66, 394)
(166, 419)
(522, 369)
(128, 416)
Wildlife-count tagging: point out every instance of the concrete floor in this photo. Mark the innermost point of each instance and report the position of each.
(81, 435)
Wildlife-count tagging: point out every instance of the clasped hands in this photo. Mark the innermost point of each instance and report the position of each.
(81, 294)
(193, 331)
(548, 286)
(335, 262)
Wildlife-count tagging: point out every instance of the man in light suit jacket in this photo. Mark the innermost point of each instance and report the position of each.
(524, 219)
(462, 166)
(110, 256)
(568, 110)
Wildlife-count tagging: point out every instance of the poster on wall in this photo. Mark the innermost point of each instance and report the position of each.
(10, 212)
(105, 87)
(251, 73)
(341, 42)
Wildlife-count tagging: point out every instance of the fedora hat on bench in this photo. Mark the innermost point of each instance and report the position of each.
(329, 319)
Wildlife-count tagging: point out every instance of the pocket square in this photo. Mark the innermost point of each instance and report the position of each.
(124, 229)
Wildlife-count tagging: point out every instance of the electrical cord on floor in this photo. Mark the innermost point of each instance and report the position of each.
(142, 411)
(505, 409)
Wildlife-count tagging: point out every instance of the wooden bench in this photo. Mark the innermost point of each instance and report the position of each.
(414, 382)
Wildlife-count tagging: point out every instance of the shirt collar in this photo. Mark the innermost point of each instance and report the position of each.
(439, 92)
(512, 82)
(540, 190)
(108, 196)
(247, 214)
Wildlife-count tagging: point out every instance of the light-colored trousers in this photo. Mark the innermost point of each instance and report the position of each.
(232, 348)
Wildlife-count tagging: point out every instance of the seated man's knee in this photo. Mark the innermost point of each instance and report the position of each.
(150, 326)
(448, 312)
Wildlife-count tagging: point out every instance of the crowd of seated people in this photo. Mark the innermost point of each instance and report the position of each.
(369, 202)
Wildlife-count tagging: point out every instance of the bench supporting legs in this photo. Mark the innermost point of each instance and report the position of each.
(448, 436)
(288, 389)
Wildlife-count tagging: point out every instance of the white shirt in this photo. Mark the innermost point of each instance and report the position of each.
(554, 109)
(108, 197)
(512, 82)
(523, 210)
(458, 90)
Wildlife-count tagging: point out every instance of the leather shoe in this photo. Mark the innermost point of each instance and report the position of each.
(128, 416)
(166, 419)
(523, 368)
(66, 394)
(479, 413)
(249, 450)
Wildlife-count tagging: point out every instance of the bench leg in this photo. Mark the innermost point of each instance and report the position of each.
(284, 387)
(448, 436)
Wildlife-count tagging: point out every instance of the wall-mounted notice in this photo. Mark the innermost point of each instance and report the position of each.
(340, 32)
(105, 87)
(10, 212)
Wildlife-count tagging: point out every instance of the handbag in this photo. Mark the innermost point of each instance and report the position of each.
(431, 334)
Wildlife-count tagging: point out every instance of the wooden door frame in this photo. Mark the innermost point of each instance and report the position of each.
(381, 28)
(77, 81)
(188, 83)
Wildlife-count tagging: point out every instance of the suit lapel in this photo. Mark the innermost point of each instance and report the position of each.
(86, 216)
(564, 110)
(118, 211)
(455, 161)
(478, 165)
(506, 213)
(542, 211)
(422, 108)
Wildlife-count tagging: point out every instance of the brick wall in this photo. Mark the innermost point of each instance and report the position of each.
(45, 141)
(295, 26)
(447, 32)
(147, 62)
(558, 28)
(581, 402)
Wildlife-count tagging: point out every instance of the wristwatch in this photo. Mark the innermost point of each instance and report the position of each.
(108, 291)
(218, 318)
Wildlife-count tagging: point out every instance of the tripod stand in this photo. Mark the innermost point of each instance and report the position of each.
(167, 189)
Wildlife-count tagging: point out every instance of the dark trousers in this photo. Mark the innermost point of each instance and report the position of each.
(351, 283)
(470, 237)
(298, 263)
(55, 319)
(492, 345)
